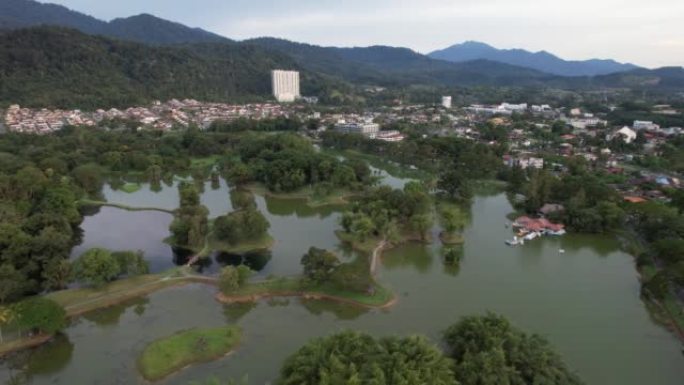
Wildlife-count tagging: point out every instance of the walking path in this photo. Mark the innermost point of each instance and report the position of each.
(375, 258)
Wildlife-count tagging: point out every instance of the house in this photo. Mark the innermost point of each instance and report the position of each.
(627, 134)
(634, 199)
(537, 225)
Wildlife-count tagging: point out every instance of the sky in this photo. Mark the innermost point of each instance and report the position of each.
(649, 33)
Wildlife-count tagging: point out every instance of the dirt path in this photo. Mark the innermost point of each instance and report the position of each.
(375, 258)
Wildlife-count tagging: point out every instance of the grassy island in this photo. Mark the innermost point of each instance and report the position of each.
(262, 243)
(131, 188)
(168, 355)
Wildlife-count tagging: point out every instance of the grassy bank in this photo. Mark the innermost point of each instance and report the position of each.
(83, 300)
(264, 243)
(295, 287)
(338, 197)
(168, 355)
(91, 202)
(131, 188)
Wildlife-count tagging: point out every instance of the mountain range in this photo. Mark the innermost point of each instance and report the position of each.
(52, 56)
(141, 28)
(541, 61)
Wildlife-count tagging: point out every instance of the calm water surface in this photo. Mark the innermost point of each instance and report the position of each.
(585, 301)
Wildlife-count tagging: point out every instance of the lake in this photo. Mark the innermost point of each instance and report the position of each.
(584, 301)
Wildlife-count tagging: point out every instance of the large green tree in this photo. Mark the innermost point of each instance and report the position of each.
(40, 314)
(96, 267)
(319, 264)
(357, 358)
(489, 350)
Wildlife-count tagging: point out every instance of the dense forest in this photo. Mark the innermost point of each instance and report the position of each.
(51, 66)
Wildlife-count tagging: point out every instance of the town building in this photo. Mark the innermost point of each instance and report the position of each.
(285, 85)
(446, 102)
(368, 129)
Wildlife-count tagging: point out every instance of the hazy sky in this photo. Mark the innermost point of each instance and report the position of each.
(644, 32)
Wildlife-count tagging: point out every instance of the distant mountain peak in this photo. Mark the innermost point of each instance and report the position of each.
(542, 60)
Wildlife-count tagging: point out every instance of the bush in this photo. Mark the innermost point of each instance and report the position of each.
(40, 314)
(96, 267)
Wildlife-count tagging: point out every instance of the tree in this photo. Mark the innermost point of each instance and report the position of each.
(131, 263)
(421, 223)
(244, 272)
(489, 350)
(12, 283)
(57, 274)
(229, 279)
(362, 227)
(242, 199)
(319, 264)
(89, 177)
(7, 315)
(357, 358)
(244, 225)
(40, 314)
(453, 219)
(455, 184)
(96, 267)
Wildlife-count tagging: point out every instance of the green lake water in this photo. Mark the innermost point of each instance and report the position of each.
(584, 301)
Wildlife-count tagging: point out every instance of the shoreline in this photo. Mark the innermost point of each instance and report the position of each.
(311, 295)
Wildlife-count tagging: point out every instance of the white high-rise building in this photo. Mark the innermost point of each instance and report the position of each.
(285, 85)
(446, 101)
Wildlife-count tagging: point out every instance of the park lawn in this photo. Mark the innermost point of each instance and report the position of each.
(131, 188)
(168, 355)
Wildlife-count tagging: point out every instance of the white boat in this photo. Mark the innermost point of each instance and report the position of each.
(562, 251)
(515, 241)
(531, 236)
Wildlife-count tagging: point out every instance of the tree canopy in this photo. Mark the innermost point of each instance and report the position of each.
(489, 350)
(357, 358)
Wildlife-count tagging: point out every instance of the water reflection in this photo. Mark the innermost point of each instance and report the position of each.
(339, 311)
(235, 311)
(256, 261)
(299, 207)
(415, 255)
(112, 315)
(51, 357)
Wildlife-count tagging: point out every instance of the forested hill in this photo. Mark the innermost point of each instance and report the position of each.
(52, 66)
(390, 66)
(141, 28)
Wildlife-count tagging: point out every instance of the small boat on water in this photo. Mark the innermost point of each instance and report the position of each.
(515, 241)
(562, 251)
(532, 236)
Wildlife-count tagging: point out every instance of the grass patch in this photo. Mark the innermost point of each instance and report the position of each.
(263, 243)
(204, 162)
(91, 202)
(131, 188)
(168, 355)
(451, 239)
(366, 246)
(338, 197)
(83, 300)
